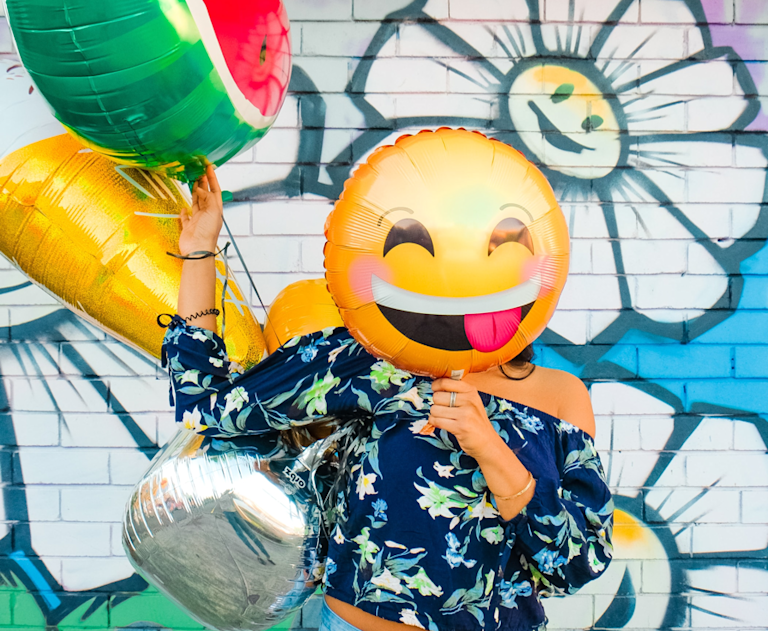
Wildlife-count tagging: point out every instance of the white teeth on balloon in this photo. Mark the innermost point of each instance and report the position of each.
(387, 295)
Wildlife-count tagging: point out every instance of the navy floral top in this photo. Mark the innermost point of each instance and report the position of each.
(418, 539)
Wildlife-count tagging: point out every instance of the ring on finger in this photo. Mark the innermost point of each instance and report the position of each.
(452, 401)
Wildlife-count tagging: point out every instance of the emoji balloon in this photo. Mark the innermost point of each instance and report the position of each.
(447, 252)
(302, 307)
(95, 235)
(169, 85)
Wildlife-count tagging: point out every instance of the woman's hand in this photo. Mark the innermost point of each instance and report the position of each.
(509, 481)
(466, 419)
(201, 224)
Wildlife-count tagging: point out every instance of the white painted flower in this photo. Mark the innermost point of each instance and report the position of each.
(216, 361)
(365, 485)
(413, 397)
(417, 426)
(692, 494)
(408, 616)
(592, 91)
(338, 536)
(191, 420)
(443, 470)
(388, 581)
(235, 399)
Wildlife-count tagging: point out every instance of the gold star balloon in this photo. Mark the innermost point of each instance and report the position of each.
(95, 235)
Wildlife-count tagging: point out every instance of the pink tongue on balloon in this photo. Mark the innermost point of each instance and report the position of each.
(488, 332)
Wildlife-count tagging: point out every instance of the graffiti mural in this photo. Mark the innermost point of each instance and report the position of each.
(648, 118)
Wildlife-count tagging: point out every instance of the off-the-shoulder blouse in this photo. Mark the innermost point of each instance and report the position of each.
(418, 538)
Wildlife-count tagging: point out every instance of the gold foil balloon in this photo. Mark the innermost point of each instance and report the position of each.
(302, 307)
(95, 235)
(447, 252)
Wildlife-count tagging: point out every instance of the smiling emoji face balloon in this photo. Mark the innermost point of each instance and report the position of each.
(447, 252)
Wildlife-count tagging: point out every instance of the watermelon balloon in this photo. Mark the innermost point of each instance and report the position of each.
(168, 85)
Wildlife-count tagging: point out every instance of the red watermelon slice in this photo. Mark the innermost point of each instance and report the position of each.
(250, 45)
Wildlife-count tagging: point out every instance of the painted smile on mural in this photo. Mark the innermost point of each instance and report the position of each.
(569, 123)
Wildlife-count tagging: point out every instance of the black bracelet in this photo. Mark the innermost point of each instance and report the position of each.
(200, 314)
(197, 256)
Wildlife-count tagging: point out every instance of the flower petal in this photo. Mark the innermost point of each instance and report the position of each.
(715, 478)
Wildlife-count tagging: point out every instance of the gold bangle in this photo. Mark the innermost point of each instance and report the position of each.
(520, 492)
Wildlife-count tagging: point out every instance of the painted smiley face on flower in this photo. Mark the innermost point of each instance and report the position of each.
(446, 251)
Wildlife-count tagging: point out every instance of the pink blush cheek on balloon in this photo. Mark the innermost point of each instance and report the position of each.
(360, 273)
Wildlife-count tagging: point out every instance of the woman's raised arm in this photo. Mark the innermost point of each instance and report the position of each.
(200, 228)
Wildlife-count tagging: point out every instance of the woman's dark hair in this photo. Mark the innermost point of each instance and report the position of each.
(525, 356)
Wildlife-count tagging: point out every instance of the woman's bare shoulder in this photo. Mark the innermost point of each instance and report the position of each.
(572, 396)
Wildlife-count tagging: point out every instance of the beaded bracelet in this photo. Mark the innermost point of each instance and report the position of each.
(200, 314)
(520, 492)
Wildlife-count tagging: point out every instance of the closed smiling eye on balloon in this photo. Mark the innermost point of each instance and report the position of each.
(510, 230)
(409, 231)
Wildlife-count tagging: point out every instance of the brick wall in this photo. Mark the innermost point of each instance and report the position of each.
(664, 315)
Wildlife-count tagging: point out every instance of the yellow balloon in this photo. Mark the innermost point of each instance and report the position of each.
(447, 252)
(95, 235)
(303, 307)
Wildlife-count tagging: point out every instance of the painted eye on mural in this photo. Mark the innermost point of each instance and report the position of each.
(510, 230)
(409, 231)
(562, 93)
(591, 122)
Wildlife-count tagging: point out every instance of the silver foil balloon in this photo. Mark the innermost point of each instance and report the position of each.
(234, 535)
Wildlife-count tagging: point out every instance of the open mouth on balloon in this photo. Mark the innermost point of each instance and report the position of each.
(484, 323)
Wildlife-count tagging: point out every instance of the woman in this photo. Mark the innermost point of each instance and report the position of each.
(469, 499)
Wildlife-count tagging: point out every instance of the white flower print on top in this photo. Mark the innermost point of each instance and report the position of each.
(234, 401)
(190, 376)
(387, 581)
(424, 584)
(191, 420)
(365, 484)
(408, 616)
(413, 397)
(338, 536)
(443, 470)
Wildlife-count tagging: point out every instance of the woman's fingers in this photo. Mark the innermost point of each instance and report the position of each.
(443, 411)
(443, 398)
(440, 422)
(450, 385)
(210, 174)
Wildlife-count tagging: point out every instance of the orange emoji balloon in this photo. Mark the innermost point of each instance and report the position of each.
(447, 253)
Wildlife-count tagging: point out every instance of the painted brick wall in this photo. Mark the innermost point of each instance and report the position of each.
(665, 314)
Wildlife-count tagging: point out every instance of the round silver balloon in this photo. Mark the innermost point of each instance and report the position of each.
(231, 531)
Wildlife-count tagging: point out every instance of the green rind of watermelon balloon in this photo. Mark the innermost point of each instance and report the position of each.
(167, 85)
